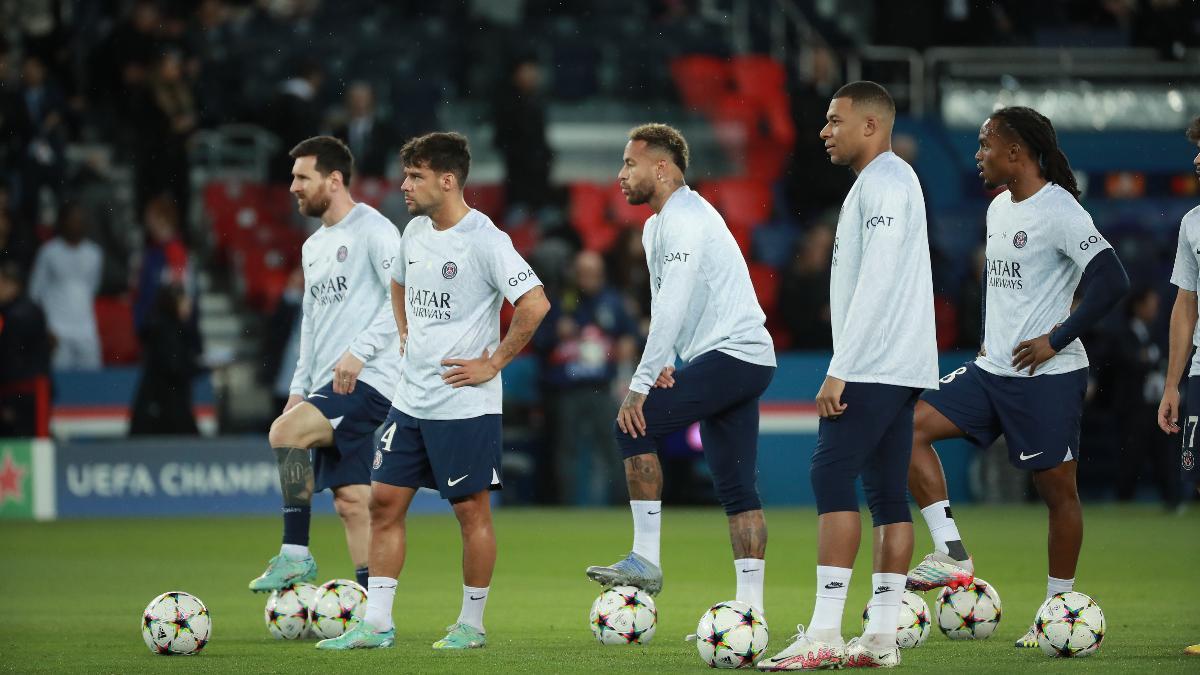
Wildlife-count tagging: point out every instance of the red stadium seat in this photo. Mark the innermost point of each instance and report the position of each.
(589, 218)
(758, 77)
(766, 286)
(118, 337)
(741, 201)
(488, 199)
(701, 80)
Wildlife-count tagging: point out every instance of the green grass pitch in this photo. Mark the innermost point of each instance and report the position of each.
(73, 591)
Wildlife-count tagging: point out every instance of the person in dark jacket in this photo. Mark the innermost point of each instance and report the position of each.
(25, 344)
(170, 361)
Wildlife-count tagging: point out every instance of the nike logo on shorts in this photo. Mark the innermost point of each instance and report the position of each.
(317, 396)
(1024, 457)
(456, 481)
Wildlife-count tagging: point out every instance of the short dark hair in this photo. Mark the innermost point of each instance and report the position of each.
(1193, 130)
(665, 138)
(332, 155)
(443, 152)
(866, 91)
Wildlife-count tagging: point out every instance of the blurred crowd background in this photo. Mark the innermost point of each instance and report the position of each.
(147, 236)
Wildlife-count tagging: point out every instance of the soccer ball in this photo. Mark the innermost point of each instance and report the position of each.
(912, 625)
(287, 611)
(176, 623)
(969, 613)
(624, 615)
(1069, 624)
(336, 607)
(731, 634)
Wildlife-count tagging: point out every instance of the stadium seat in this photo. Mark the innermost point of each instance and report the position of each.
(118, 338)
(766, 285)
(741, 201)
(758, 77)
(487, 198)
(589, 218)
(702, 81)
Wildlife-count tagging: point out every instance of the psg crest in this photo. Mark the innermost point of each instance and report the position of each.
(449, 270)
(1020, 239)
(1189, 459)
(341, 254)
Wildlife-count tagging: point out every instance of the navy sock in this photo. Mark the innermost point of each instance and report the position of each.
(360, 575)
(295, 524)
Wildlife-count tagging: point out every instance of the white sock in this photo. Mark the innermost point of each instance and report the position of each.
(647, 526)
(832, 585)
(941, 524)
(750, 573)
(474, 600)
(294, 551)
(381, 591)
(1055, 586)
(887, 590)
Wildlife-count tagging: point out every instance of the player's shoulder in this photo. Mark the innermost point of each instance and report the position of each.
(889, 173)
(1191, 219)
(1064, 207)
(482, 232)
(684, 211)
(418, 226)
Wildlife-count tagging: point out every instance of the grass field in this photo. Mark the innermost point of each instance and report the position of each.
(74, 591)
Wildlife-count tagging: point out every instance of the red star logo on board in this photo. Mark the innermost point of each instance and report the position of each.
(11, 476)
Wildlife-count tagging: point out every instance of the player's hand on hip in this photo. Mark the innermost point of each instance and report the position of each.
(293, 401)
(666, 379)
(469, 372)
(345, 373)
(1032, 353)
(829, 398)
(629, 417)
(1168, 411)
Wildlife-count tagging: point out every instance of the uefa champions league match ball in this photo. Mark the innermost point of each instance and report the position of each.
(176, 623)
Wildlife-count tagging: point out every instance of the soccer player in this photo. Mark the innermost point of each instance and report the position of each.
(884, 354)
(349, 353)
(1029, 379)
(1183, 337)
(454, 272)
(703, 309)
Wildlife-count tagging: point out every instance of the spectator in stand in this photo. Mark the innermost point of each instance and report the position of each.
(293, 115)
(24, 355)
(369, 135)
(1136, 364)
(587, 344)
(164, 260)
(41, 138)
(804, 290)
(170, 361)
(812, 183)
(519, 133)
(65, 279)
(120, 65)
(627, 265)
(168, 118)
(12, 249)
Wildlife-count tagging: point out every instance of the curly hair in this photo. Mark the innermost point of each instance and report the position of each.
(665, 138)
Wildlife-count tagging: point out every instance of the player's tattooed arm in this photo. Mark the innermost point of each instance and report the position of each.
(295, 476)
(630, 418)
(531, 309)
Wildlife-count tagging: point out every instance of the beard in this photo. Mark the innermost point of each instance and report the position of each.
(416, 209)
(637, 196)
(316, 206)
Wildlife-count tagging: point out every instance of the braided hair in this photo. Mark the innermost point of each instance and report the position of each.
(1037, 133)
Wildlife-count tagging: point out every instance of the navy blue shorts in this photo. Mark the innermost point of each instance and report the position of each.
(1039, 416)
(871, 439)
(721, 393)
(458, 458)
(1187, 458)
(354, 417)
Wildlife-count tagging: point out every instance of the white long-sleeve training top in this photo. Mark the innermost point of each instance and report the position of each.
(881, 285)
(347, 302)
(701, 298)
